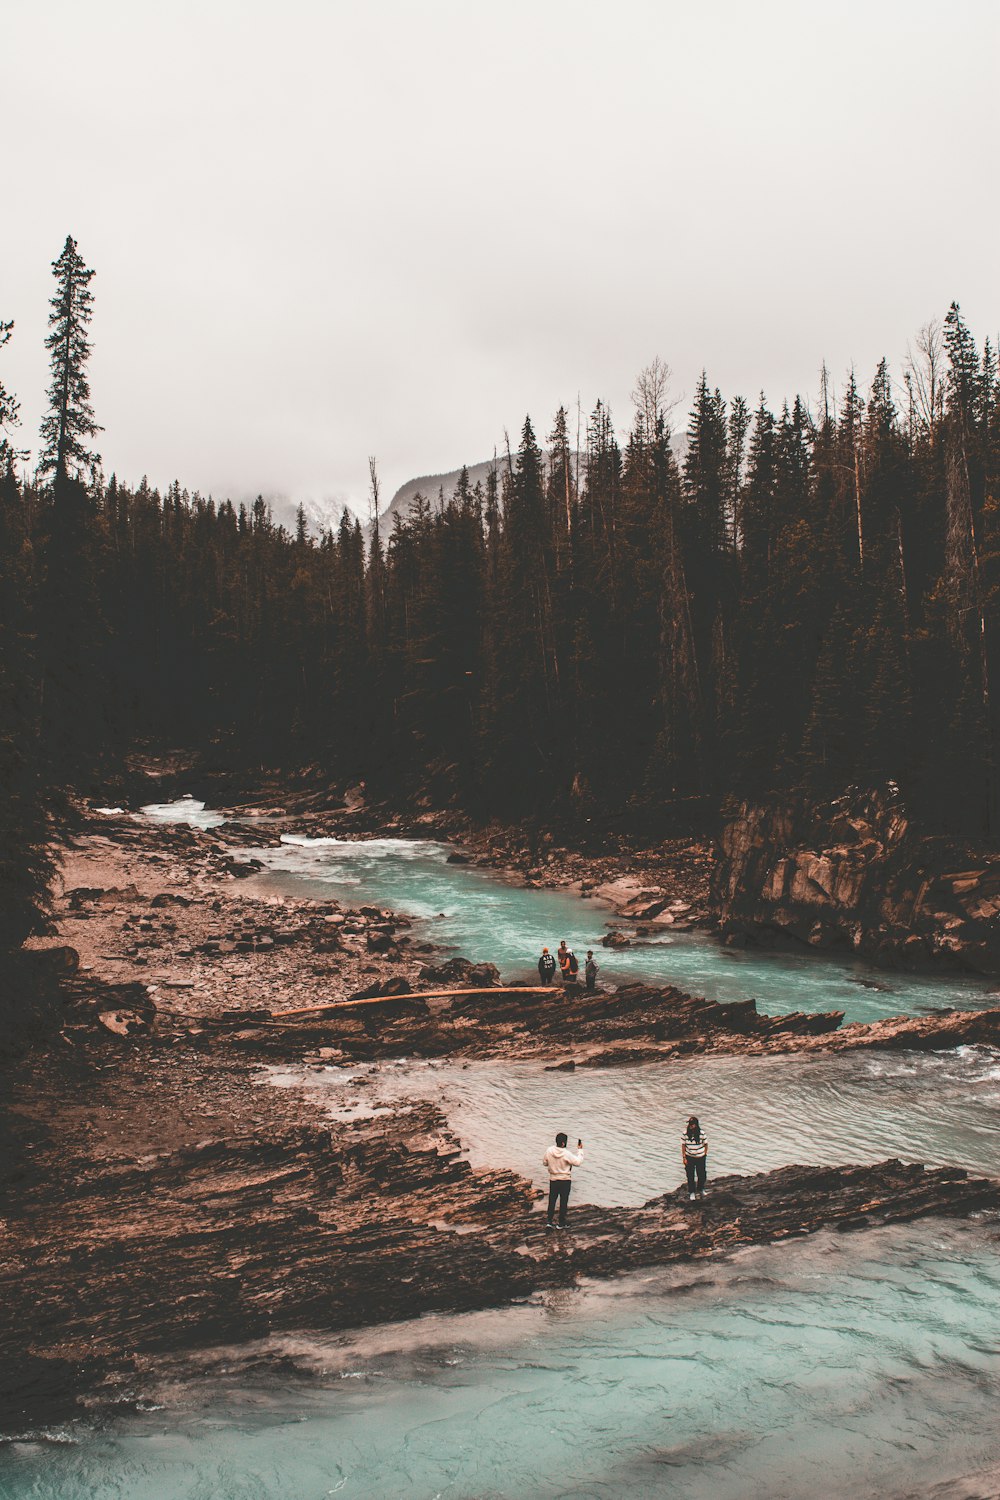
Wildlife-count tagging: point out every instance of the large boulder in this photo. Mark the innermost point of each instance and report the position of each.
(461, 973)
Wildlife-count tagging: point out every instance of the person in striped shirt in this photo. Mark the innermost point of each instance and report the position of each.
(694, 1155)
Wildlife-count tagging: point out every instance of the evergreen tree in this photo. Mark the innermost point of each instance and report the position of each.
(28, 806)
(70, 420)
(9, 407)
(804, 604)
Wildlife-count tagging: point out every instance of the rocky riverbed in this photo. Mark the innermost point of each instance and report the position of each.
(157, 1194)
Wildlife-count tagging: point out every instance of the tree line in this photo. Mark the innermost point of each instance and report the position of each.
(802, 600)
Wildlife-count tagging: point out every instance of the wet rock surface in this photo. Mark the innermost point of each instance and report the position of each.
(635, 1023)
(856, 873)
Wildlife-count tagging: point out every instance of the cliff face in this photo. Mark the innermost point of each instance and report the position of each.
(856, 872)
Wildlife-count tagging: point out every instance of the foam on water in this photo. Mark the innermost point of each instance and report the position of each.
(183, 810)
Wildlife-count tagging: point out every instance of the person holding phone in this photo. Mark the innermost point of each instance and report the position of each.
(560, 1163)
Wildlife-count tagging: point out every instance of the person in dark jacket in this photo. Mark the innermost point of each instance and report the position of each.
(546, 967)
(590, 970)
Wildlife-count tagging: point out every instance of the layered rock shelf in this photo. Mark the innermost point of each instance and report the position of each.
(230, 1240)
(635, 1023)
(856, 873)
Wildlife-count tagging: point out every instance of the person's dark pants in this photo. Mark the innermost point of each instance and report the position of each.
(695, 1167)
(559, 1193)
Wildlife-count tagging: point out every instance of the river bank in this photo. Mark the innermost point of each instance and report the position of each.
(648, 878)
(157, 1194)
(856, 875)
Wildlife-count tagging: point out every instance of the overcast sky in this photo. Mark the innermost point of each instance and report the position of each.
(324, 230)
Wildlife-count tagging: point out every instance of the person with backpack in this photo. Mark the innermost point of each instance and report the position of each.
(568, 963)
(546, 967)
(590, 970)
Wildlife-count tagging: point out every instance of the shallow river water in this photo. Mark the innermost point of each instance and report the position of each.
(942, 1109)
(488, 918)
(849, 1364)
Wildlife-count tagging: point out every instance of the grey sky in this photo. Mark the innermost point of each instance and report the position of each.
(323, 230)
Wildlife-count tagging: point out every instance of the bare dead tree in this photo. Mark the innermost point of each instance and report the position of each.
(650, 396)
(827, 399)
(374, 501)
(924, 376)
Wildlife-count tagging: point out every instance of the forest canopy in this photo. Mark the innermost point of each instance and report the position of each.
(787, 599)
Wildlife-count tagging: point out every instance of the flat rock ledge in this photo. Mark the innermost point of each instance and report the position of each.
(569, 1027)
(235, 1240)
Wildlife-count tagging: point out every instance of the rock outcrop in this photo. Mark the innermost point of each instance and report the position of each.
(636, 1023)
(856, 873)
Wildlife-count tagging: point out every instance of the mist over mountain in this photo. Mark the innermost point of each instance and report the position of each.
(321, 515)
(434, 486)
(431, 486)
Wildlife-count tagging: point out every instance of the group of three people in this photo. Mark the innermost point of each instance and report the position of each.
(565, 961)
(559, 1162)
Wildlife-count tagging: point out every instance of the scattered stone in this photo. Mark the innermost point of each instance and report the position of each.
(123, 1022)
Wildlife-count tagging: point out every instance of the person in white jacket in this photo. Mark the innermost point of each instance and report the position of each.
(560, 1164)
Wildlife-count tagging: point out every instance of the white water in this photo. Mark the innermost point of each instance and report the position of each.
(183, 810)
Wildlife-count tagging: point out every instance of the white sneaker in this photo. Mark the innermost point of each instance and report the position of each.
(690, 1197)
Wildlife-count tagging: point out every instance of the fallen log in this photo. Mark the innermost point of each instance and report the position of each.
(497, 989)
